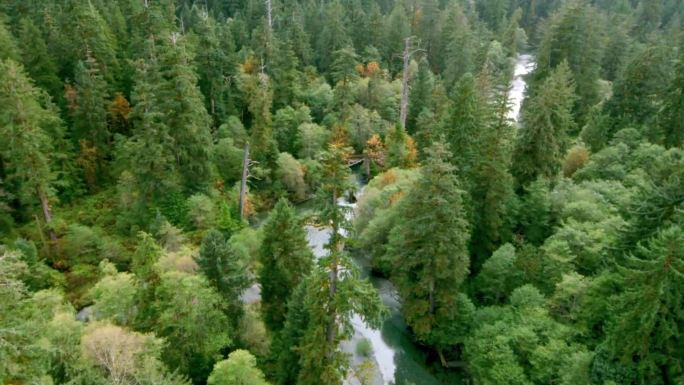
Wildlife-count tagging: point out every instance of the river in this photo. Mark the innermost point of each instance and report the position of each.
(396, 358)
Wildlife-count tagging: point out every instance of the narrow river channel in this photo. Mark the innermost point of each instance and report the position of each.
(396, 357)
(397, 360)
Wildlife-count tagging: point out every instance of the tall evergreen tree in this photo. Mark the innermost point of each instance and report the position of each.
(429, 253)
(543, 138)
(184, 113)
(649, 316)
(85, 30)
(457, 46)
(216, 66)
(671, 117)
(420, 96)
(334, 290)
(464, 125)
(343, 73)
(90, 111)
(225, 270)
(334, 35)
(30, 126)
(285, 259)
(39, 63)
(8, 46)
(148, 153)
(572, 36)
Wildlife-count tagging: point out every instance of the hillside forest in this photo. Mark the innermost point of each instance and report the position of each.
(357, 192)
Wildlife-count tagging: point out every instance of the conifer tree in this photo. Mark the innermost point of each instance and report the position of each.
(464, 126)
(343, 73)
(671, 117)
(420, 96)
(148, 152)
(543, 138)
(572, 37)
(334, 290)
(285, 258)
(90, 112)
(87, 31)
(184, 113)
(8, 47)
(216, 65)
(401, 149)
(334, 35)
(256, 87)
(29, 126)
(457, 46)
(225, 270)
(429, 253)
(39, 63)
(649, 317)
(285, 74)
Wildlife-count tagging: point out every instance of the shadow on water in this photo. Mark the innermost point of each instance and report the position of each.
(410, 361)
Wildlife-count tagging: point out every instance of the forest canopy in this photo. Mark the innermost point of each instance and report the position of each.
(234, 192)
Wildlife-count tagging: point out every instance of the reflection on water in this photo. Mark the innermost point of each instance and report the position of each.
(398, 359)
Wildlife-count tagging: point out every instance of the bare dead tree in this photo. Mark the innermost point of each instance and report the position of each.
(243, 184)
(408, 52)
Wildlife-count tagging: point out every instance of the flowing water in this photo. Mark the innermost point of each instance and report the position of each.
(523, 66)
(395, 354)
(397, 359)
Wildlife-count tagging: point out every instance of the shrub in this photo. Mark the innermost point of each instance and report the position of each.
(576, 159)
(364, 348)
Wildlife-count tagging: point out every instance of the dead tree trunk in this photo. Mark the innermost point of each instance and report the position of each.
(269, 15)
(404, 83)
(243, 184)
(45, 204)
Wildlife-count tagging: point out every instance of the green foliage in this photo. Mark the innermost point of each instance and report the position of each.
(114, 296)
(499, 275)
(225, 268)
(240, 368)
(290, 173)
(31, 126)
(201, 211)
(505, 271)
(90, 112)
(650, 314)
(190, 319)
(364, 348)
(547, 121)
(285, 260)
(429, 254)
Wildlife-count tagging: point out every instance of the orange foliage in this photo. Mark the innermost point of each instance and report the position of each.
(250, 65)
(375, 149)
(71, 97)
(411, 152)
(339, 137)
(88, 161)
(120, 108)
(394, 198)
(387, 178)
(369, 69)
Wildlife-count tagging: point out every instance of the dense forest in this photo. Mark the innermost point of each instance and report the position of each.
(244, 192)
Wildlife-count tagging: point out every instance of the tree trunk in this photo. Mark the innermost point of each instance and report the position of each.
(243, 184)
(45, 204)
(404, 83)
(442, 360)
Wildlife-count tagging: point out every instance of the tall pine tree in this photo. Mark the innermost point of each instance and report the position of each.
(285, 259)
(29, 126)
(543, 138)
(429, 253)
